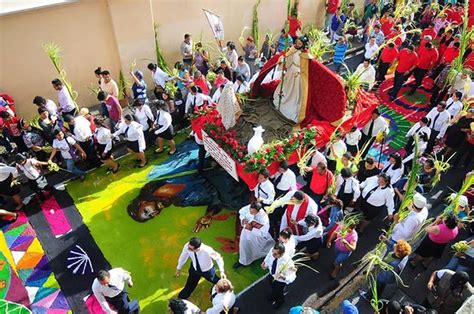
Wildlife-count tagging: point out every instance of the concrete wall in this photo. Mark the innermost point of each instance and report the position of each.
(114, 33)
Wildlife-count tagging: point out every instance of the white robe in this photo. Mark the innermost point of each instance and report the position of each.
(255, 243)
(291, 99)
(228, 106)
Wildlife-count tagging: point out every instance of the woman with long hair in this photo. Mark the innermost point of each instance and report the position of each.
(104, 147)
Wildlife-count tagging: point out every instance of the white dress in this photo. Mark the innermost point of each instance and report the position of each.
(255, 243)
(291, 99)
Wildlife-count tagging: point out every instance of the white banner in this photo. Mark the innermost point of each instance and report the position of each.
(220, 156)
(216, 24)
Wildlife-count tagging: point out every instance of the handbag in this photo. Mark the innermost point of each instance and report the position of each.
(73, 151)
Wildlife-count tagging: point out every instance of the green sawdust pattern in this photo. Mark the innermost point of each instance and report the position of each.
(416, 98)
(150, 250)
(397, 135)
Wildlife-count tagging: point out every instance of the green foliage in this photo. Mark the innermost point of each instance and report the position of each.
(353, 84)
(122, 86)
(160, 60)
(255, 32)
(466, 36)
(319, 44)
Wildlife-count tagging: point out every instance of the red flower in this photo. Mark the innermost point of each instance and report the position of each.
(291, 141)
(262, 161)
(251, 160)
(240, 154)
(268, 150)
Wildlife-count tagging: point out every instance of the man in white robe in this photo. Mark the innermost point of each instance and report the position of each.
(255, 240)
(295, 213)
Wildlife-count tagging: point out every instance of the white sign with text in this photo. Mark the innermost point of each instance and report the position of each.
(220, 156)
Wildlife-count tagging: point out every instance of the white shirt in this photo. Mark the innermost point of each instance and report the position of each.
(104, 137)
(380, 125)
(441, 124)
(111, 88)
(410, 225)
(311, 209)
(353, 138)
(205, 255)
(284, 266)
(51, 107)
(265, 191)
(82, 129)
(317, 158)
(462, 85)
(186, 50)
(118, 278)
(164, 120)
(216, 96)
(381, 196)
(29, 169)
(395, 174)
(63, 146)
(241, 88)
(352, 186)
(143, 115)
(338, 149)
(65, 100)
(5, 172)
(160, 77)
(417, 128)
(370, 50)
(191, 308)
(313, 232)
(421, 149)
(453, 107)
(195, 101)
(366, 75)
(287, 181)
(132, 132)
(232, 57)
(221, 302)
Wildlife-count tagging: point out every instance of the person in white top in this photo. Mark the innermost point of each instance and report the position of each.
(109, 288)
(202, 257)
(377, 195)
(352, 139)
(371, 49)
(394, 168)
(195, 99)
(217, 94)
(144, 116)
(222, 297)
(288, 240)
(36, 181)
(7, 177)
(462, 83)
(284, 180)
(186, 49)
(301, 205)
(108, 85)
(454, 104)
(66, 104)
(418, 128)
(439, 122)
(165, 130)
(67, 145)
(377, 124)
(240, 85)
(160, 78)
(231, 54)
(133, 133)
(366, 73)
(282, 269)
(48, 104)
(312, 239)
(347, 188)
(103, 138)
(178, 306)
(317, 158)
(255, 239)
(335, 150)
(264, 192)
(409, 226)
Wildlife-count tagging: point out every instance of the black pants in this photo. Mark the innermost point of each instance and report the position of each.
(409, 146)
(275, 221)
(88, 148)
(431, 141)
(382, 71)
(33, 184)
(123, 305)
(437, 71)
(466, 150)
(193, 280)
(400, 78)
(201, 158)
(73, 113)
(332, 164)
(352, 149)
(366, 139)
(419, 74)
(278, 290)
(312, 246)
(438, 94)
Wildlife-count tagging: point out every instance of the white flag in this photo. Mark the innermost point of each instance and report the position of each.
(216, 24)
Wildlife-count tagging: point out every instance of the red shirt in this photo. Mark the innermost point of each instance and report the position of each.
(201, 82)
(406, 60)
(450, 54)
(429, 32)
(321, 182)
(427, 58)
(12, 125)
(456, 17)
(389, 54)
(294, 26)
(333, 5)
(387, 26)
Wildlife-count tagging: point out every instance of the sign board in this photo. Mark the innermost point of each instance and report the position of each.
(220, 156)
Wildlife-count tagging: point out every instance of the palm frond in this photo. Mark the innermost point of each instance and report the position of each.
(160, 60)
(351, 219)
(460, 247)
(278, 203)
(441, 166)
(319, 43)
(454, 201)
(303, 159)
(375, 303)
(255, 31)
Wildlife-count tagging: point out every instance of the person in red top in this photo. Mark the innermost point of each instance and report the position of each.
(200, 81)
(455, 15)
(331, 9)
(387, 23)
(407, 61)
(321, 181)
(387, 57)
(294, 25)
(451, 53)
(430, 31)
(14, 130)
(396, 32)
(427, 59)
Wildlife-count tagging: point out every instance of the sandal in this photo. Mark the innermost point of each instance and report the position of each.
(117, 169)
(172, 153)
(141, 166)
(157, 151)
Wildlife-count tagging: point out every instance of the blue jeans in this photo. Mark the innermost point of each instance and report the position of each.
(341, 256)
(71, 166)
(453, 264)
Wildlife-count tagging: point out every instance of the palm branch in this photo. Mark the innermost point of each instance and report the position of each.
(454, 201)
(351, 219)
(255, 32)
(160, 60)
(303, 159)
(375, 303)
(440, 166)
(319, 44)
(466, 36)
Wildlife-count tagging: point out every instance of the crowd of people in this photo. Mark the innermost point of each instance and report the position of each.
(284, 216)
